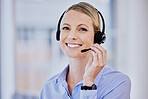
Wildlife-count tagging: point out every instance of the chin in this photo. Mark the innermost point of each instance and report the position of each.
(73, 55)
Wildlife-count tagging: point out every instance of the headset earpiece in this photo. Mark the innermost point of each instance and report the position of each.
(99, 37)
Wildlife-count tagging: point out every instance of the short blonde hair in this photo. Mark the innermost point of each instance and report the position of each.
(89, 10)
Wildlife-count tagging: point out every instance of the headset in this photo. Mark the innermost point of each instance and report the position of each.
(99, 37)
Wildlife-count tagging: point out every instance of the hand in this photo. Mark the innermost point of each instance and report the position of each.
(95, 64)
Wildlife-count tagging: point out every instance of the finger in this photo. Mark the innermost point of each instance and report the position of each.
(103, 51)
(97, 57)
(100, 55)
(89, 63)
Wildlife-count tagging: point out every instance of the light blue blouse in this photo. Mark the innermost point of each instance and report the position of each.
(111, 84)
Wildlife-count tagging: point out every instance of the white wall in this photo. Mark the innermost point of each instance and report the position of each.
(132, 46)
(7, 49)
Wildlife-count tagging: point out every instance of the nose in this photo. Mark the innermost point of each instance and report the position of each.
(72, 35)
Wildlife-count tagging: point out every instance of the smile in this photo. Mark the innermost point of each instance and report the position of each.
(73, 45)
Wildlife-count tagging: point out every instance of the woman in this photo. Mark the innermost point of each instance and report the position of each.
(86, 76)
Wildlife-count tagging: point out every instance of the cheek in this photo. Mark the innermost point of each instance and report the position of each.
(62, 37)
(89, 39)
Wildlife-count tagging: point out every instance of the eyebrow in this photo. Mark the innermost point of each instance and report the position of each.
(78, 25)
(82, 24)
(66, 24)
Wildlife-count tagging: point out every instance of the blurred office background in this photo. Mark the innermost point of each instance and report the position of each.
(29, 53)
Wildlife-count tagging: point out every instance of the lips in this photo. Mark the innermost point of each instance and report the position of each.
(73, 45)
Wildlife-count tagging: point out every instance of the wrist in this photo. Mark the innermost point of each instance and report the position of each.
(87, 82)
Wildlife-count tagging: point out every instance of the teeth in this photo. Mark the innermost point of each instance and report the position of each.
(73, 45)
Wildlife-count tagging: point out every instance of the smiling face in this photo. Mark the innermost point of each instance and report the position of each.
(77, 33)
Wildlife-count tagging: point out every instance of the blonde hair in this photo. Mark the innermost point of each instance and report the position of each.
(89, 10)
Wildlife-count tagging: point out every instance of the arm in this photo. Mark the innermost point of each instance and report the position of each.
(115, 91)
(122, 91)
(88, 94)
(93, 67)
(95, 64)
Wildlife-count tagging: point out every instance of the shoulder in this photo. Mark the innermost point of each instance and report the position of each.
(112, 79)
(47, 86)
(114, 84)
(114, 75)
(51, 80)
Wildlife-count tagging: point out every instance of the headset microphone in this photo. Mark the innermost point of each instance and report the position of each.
(85, 50)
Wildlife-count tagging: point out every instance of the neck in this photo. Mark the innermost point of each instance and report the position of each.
(77, 69)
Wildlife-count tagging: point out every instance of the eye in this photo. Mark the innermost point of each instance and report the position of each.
(83, 29)
(65, 28)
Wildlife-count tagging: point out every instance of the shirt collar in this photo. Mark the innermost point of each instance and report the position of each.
(62, 75)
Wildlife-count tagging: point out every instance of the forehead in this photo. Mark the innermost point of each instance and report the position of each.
(76, 17)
